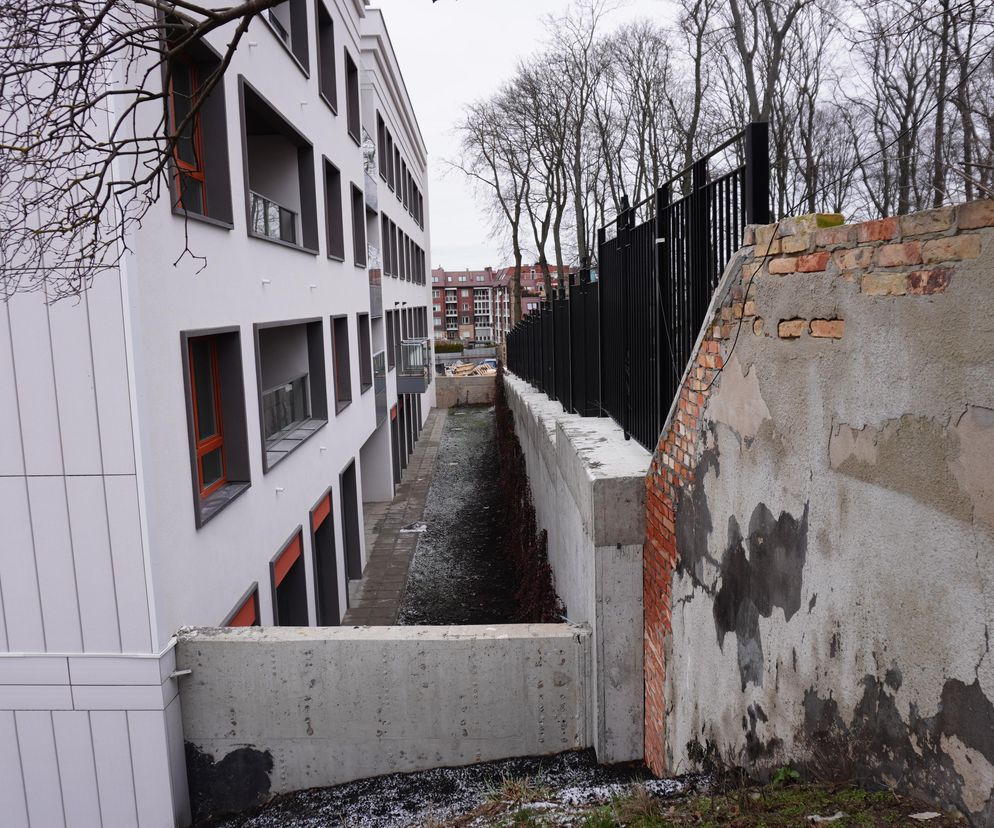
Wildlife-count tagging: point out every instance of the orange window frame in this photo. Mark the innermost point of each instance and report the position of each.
(194, 171)
(216, 440)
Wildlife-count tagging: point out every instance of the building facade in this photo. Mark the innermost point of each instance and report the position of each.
(475, 305)
(192, 444)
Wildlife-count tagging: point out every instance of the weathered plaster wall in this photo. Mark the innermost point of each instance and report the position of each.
(276, 709)
(588, 490)
(819, 561)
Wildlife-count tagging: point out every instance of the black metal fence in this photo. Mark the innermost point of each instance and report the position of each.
(619, 346)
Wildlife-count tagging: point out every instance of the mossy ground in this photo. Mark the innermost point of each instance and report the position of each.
(772, 806)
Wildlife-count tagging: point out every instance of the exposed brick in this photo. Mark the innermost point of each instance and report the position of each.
(899, 255)
(751, 269)
(798, 243)
(846, 234)
(852, 259)
(749, 235)
(766, 244)
(884, 283)
(951, 249)
(928, 282)
(813, 262)
(929, 221)
(785, 264)
(975, 214)
(828, 328)
(791, 328)
(757, 327)
(879, 230)
(750, 308)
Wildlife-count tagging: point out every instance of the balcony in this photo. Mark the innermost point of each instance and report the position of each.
(413, 372)
(374, 262)
(380, 385)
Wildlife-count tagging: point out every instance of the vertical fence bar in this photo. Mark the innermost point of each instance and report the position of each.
(757, 173)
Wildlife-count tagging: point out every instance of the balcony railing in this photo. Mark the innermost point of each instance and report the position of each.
(273, 220)
(413, 372)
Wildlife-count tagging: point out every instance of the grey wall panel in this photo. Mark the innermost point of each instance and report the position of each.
(111, 752)
(35, 384)
(18, 579)
(15, 809)
(177, 760)
(40, 766)
(129, 564)
(150, 760)
(74, 387)
(94, 568)
(76, 768)
(110, 371)
(56, 568)
(11, 455)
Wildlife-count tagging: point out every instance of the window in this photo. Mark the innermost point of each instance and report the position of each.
(191, 189)
(327, 72)
(208, 428)
(352, 98)
(326, 581)
(462, 278)
(246, 611)
(216, 419)
(288, 21)
(293, 401)
(396, 170)
(200, 182)
(434, 280)
(390, 351)
(436, 308)
(358, 226)
(334, 224)
(342, 361)
(406, 179)
(289, 584)
(464, 292)
(389, 160)
(280, 197)
(365, 354)
(381, 146)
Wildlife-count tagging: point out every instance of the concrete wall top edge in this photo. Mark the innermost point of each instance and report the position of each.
(465, 632)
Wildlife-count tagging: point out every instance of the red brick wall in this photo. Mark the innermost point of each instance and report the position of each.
(909, 256)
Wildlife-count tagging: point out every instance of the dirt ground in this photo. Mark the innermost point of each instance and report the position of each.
(458, 574)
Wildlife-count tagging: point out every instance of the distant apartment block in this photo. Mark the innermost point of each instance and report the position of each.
(188, 446)
(475, 305)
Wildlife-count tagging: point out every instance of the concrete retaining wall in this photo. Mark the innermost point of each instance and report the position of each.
(820, 553)
(588, 488)
(453, 391)
(276, 709)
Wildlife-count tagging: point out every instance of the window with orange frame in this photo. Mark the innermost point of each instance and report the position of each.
(205, 385)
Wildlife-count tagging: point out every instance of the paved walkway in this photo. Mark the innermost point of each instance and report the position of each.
(384, 580)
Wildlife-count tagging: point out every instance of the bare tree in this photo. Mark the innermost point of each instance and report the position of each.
(491, 157)
(86, 136)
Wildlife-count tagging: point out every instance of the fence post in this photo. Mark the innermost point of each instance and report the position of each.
(625, 222)
(663, 346)
(757, 173)
(601, 241)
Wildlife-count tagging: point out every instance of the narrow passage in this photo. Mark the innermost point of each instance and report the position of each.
(459, 574)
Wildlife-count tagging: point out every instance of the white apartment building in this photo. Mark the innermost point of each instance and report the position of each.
(192, 444)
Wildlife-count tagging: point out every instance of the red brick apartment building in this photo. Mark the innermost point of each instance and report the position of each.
(475, 305)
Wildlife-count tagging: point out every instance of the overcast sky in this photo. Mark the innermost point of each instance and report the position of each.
(451, 53)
